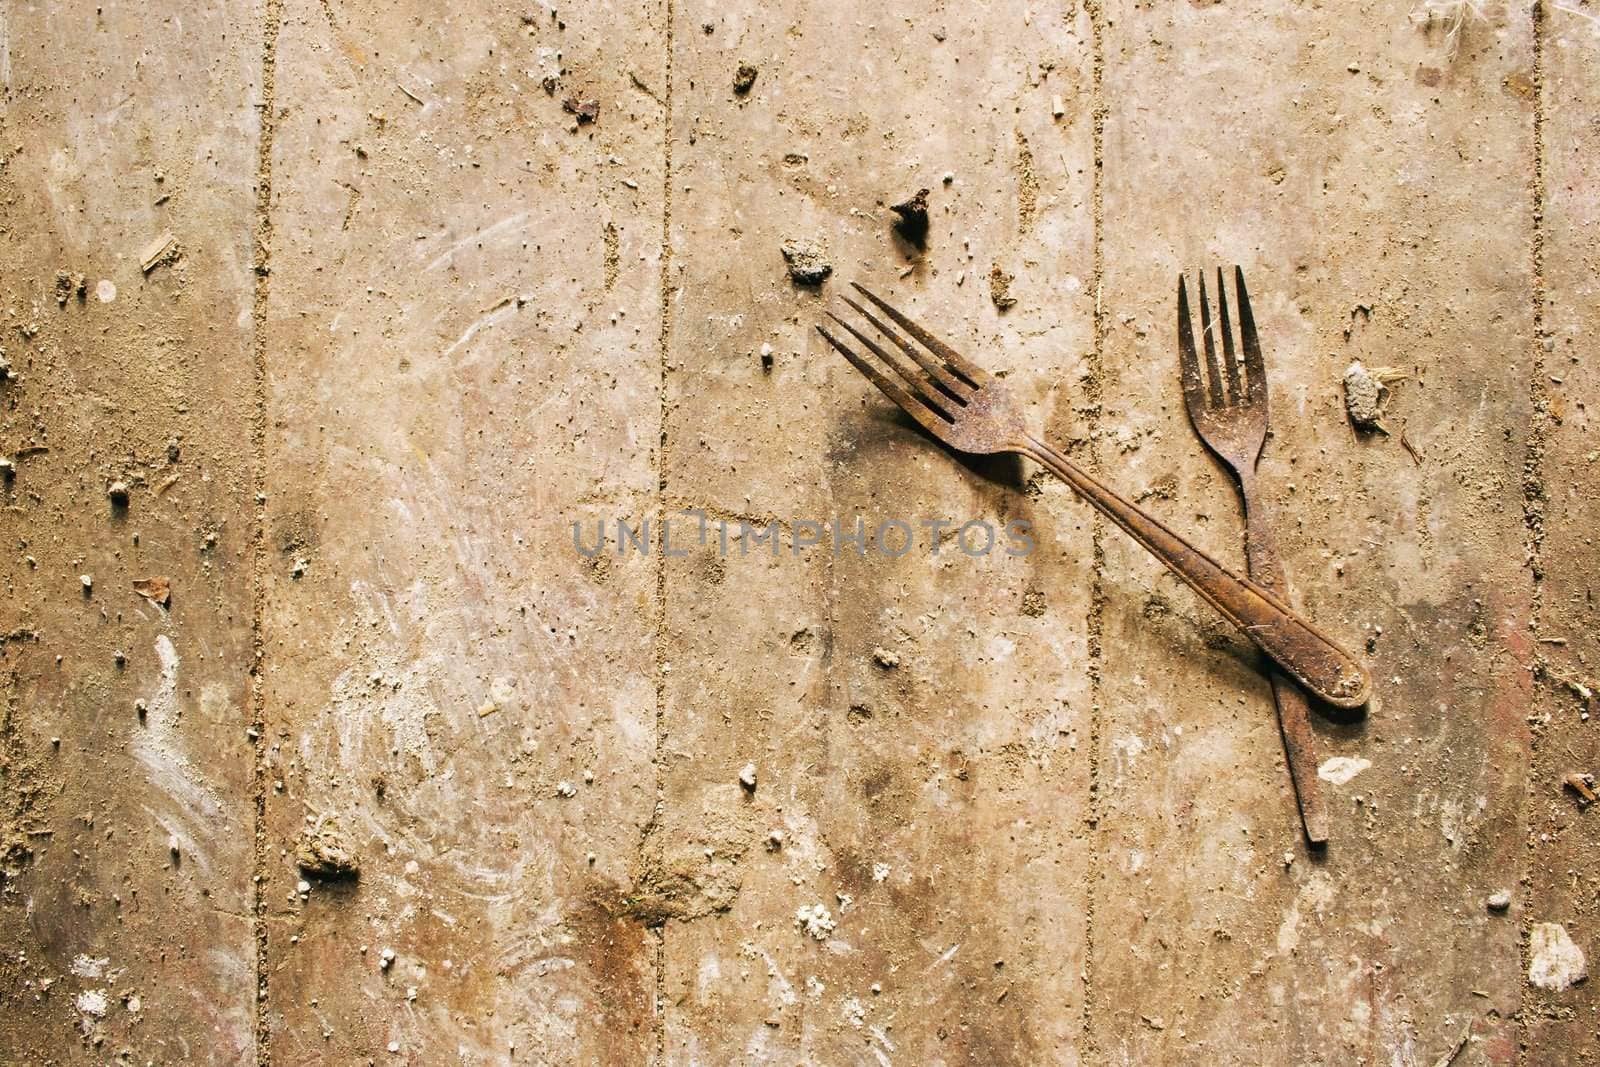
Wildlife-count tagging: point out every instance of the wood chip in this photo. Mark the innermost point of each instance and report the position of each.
(1581, 784)
(1449, 1056)
(1416, 457)
(156, 590)
(157, 252)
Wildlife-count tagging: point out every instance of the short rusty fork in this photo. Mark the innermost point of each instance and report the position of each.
(1227, 405)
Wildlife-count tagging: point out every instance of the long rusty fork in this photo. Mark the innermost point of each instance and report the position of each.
(971, 411)
(1228, 407)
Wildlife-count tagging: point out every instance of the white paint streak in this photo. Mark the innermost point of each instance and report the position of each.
(489, 319)
(86, 966)
(194, 816)
(449, 253)
(94, 1002)
(1340, 769)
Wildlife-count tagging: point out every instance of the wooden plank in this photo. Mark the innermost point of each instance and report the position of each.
(1560, 911)
(464, 361)
(933, 809)
(1348, 163)
(125, 894)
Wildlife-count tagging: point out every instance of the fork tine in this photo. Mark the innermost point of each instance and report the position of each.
(909, 404)
(967, 370)
(921, 388)
(1230, 365)
(957, 388)
(1194, 391)
(1207, 330)
(1255, 370)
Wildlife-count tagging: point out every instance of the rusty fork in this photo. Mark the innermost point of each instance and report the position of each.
(963, 406)
(1228, 408)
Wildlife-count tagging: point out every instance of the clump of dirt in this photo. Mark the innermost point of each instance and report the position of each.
(815, 921)
(693, 864)
(913, 221)
(1366, 392)
(744, 78)
(586, 111)
(807, 261)
(1033, 603)
(69, 285)
(886, 658)
(1000, 288)
(324, 852)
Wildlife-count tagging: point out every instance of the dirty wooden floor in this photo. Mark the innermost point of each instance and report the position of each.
(416, 319)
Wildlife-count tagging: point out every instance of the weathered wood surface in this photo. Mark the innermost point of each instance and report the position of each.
(421, 315)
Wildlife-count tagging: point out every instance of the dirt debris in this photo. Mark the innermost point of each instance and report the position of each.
(1366, 392)
(747, 777)
(324, 852)
(157, 590)
(585, 111)
(807, 261)
(1556, 963)
(886, 658)
(68, 285)
(693, 864)
(1581, 784)
(815, 921)
(744, 78)
(912, 223)
(1000, 288)
(118, 492)
(161, 250)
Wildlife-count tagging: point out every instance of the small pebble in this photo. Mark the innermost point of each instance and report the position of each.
(747, 776)
(1499, 901)
(87, 580)
(774, 840)
(565, 788)
(385, 959)
(118, 492)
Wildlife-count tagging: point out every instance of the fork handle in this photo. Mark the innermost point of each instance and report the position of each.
(1293, 643)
